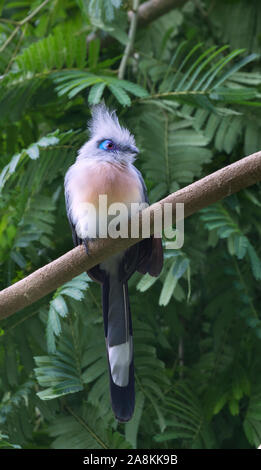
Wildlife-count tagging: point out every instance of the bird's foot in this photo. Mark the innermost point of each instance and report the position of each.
(85, 242)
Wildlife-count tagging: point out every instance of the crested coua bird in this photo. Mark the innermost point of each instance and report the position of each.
(104, 166)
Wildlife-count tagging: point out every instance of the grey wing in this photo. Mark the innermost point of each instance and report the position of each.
(76, 240)
(150, 258)
(146, 199)
(132, 256)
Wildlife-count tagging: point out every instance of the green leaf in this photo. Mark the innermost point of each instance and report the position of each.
(96, 92)
(60, 306)
(18, 258)
(59, 374)
(5, 444)
(255, 261)
(168, 287)
(180, 267)
(120, 95)
(177, 269)
(146, 282)
(133, 88)
(94, 51)
(33, 152)
(132, 427)
(74, 293)
(54, 321)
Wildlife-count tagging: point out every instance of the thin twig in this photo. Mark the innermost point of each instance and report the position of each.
(16, 50)
(129, 46)
(29, 17)
(174, 93)
(21, 23)
(9, 39)
(200, 8)
(6, 20)
(212, 6)
(166, 148)
(181, 357)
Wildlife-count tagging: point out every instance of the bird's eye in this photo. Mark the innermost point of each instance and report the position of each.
(107, 145)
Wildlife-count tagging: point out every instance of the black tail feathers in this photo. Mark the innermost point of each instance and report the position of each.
(118, 335)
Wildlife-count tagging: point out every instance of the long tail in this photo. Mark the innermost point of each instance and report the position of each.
(118, 335)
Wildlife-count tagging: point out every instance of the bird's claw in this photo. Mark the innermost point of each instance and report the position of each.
(85, 242)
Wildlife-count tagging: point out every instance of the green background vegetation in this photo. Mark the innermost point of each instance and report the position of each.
(191, 96)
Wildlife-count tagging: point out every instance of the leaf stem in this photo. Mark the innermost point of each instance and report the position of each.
(34, 12)
(252, 307)
(21, 23)
(6, 20)
(129, 46)
(9, 39)
(86, 427)
(16, 50)
(166, 149)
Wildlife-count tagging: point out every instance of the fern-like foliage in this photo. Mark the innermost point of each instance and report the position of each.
(5, 444)
(252, 420)
(185, 417)
(62, 48)
(72, 83)
(32, 227)
(13, 406)
(194, 107)
(222, 226)
(226, 17)
(11, 402)
(83, 366)
(177, 265)
(74, 289)
(85, 428)
(174, 158)
(100, 11)
(200, 78)
(50, 142)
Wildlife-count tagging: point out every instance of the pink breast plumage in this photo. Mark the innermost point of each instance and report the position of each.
(119, 182)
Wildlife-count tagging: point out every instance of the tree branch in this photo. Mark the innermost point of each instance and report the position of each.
(202, 193)
(147, 12)
(153, 9)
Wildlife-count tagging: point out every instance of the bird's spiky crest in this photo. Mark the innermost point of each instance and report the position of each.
(105, 124)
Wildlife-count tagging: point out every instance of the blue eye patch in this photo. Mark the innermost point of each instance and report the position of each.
(107, 145)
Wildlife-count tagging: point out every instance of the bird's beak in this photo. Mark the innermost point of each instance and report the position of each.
(134, 149)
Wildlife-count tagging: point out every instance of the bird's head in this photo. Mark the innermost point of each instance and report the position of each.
(108, 139)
